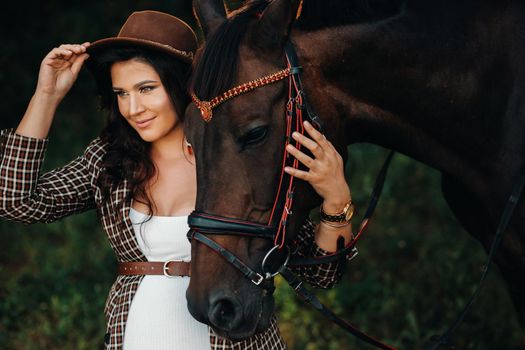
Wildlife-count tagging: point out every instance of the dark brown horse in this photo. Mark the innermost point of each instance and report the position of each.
(440, 81)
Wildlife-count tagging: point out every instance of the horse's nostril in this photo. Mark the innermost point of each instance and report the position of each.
(225, 314)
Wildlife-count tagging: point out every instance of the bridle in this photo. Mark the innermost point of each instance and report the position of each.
(202, 224)
(277, 259)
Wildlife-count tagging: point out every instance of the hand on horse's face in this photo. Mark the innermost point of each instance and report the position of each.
(325, 170)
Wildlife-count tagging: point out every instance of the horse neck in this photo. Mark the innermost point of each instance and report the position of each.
(373, 85)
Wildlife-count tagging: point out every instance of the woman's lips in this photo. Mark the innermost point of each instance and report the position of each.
(144, 123)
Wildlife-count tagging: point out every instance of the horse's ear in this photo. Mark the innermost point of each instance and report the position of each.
(210, 14)
(275, 23)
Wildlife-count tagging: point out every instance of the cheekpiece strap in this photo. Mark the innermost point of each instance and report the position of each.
(254, 276)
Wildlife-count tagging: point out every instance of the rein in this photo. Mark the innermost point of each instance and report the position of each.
(203, 224)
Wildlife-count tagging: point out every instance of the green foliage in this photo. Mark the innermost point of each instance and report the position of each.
(56, 278)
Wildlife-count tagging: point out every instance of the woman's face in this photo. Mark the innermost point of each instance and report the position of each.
(143, 100)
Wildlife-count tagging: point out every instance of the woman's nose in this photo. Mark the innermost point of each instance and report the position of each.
(136, 107)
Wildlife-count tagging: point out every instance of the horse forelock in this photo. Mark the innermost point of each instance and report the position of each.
(216, 65)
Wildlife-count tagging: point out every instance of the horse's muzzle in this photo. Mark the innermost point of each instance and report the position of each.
(225, 313)
(234, 320)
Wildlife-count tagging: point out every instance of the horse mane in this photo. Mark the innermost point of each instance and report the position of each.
(216, 66)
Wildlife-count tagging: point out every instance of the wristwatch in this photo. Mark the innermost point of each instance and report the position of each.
(342, 217)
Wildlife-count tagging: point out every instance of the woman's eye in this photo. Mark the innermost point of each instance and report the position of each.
(120, 93)
(254, 136)
(144, 89)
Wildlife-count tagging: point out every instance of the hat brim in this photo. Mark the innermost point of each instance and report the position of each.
(104, 44)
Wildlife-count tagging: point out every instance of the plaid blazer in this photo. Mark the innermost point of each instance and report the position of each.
(29, 197)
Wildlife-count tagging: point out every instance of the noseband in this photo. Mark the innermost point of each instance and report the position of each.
(202, 224)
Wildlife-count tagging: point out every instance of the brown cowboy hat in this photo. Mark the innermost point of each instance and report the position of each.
(154, 30)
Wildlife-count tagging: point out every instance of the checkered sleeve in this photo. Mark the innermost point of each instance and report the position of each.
(322, 275)
(29, 197)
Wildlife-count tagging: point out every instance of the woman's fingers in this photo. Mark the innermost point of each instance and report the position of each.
(318, 143)
(310, 144)
(300, 174)
(76, 48)
(74, 54)
(60, 53)
(303, 158)
(316, 135)
(67, 52)
(77, 63)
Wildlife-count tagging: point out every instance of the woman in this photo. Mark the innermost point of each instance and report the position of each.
(140, 177)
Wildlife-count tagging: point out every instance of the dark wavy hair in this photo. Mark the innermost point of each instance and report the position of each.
(127, 156)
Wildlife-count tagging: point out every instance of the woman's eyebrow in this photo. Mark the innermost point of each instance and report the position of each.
(144, 82)
(137, 84)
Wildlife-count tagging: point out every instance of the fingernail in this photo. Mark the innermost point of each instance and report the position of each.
(295, 134)
(307, 124)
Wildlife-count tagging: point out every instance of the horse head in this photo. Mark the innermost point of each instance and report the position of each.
(239, 151)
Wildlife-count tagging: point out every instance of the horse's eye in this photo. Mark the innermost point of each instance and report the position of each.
(253, 137)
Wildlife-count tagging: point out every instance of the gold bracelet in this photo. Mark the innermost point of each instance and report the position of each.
(336, 225)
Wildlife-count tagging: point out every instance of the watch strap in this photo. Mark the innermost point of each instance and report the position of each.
(342, 217)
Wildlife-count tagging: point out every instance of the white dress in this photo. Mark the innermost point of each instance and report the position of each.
(158, 317)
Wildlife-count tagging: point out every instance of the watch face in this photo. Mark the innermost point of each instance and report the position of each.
(349, 212)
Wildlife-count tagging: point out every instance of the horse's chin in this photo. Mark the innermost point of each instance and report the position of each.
(239, 335)
(259, 324)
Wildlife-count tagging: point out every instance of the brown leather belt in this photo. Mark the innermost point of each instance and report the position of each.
(168, 268)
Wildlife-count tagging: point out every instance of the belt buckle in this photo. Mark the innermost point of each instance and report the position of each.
(165, 269)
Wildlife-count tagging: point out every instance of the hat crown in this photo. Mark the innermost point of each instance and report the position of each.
(156, 30)
(158, 27)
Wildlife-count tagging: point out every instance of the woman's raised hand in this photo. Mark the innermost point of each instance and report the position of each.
(59, 70)
(325, 169)
(327, 176)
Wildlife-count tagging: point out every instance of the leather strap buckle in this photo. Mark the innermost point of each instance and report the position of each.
(257, 279)
(166, 269)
